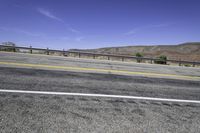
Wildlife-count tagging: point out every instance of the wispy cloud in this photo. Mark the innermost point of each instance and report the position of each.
(64, 38)
(131, 32)
(78, 39)
(30, 33)
(73, 30)
(48, 14)
(160, 25)
(16, 30)
(134, 31)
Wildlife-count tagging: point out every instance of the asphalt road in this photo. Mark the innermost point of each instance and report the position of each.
(99, 64)
(51, 113)
(55, 113)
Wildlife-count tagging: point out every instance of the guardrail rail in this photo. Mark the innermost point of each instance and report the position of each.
(93, 55)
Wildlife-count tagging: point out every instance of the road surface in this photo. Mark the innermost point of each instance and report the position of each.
(46, 113)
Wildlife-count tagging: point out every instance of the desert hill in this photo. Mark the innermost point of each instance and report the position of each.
(187, 51)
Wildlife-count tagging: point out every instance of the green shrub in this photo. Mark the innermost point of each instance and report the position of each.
(187, 65)
(161, 60)
(139, 55)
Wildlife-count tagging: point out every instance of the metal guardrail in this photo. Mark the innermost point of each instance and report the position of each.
(94, 55)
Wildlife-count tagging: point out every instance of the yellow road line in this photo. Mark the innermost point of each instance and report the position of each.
(101, 70)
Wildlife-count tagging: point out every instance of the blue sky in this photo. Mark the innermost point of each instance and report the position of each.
(99, 23)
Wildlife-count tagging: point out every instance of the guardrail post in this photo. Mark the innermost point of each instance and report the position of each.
(14, 49)
(47, 51)
(67, 53)
(93, 56)
(63, 52)
(193, 64)
(31, 51)
(108, 57)
(179, 62)
(79, 55)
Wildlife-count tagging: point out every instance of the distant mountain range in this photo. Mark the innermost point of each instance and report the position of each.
(187, 51)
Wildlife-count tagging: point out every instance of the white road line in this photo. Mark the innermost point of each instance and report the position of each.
(100, 95)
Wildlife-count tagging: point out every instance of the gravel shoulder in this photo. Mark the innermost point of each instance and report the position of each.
(100, 64)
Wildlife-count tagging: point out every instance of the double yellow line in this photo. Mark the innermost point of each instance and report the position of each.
(124, 72)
